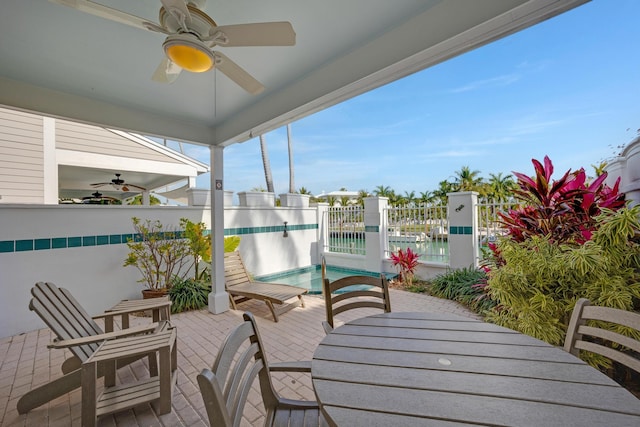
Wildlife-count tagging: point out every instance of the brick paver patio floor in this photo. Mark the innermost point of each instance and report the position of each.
(26, 362)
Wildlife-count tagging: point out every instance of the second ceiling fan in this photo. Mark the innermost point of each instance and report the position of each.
(192, 35)
(119, 184)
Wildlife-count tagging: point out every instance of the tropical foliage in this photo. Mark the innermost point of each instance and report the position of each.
(468, 286)
(199, 245)
(563, 209)
(406, 262)
(158, 252)
(572, 239)
(188, 294)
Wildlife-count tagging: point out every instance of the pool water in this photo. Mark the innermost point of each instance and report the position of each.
(310, 278)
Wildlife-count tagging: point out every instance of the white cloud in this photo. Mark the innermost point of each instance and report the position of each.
(503, 80)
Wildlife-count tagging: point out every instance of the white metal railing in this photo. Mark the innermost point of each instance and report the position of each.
(346, 230)
(490, 226)
(423, 228)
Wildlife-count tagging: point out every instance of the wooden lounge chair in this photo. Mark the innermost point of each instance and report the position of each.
(596, 336)
(242, 288)
(377, 296)
(226, 385)
(76, 330)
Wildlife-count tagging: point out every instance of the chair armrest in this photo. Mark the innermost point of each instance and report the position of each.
(301, 366)
(284, 403)
(101, 337)
(160, 304)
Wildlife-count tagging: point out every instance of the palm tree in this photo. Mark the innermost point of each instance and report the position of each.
(382, 191)
(292, 187)
(444, 187)
(410, 197)
(467, 180)
(303, 190)
(267, 165)
(426, 197)
(500, 188)
(362, 194)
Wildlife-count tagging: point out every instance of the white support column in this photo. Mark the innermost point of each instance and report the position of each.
(323, 229)
(463, 229)
(375, 232)
(50, 162)
(218, 298)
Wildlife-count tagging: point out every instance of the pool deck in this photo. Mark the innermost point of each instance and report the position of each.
(26, 362)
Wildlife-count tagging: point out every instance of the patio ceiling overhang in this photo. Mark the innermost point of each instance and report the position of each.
(65, 63)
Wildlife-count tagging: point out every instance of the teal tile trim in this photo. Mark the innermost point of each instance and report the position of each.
(467, 230)
(49, 243)
(268, 229)
(371, 228)
(24, 245)
(58, 242)
(41, 244)
(74, 242)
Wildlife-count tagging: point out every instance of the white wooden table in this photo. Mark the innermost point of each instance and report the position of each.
(417, 369)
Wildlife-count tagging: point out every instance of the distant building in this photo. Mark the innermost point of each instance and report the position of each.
(339, 195)
(45, 160)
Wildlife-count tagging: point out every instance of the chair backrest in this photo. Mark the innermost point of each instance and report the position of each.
(596, 334)
(64, 316)
(235, 273)
(226, 385)
(376, 296)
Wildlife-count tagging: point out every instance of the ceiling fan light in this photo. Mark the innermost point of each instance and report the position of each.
(189, 53)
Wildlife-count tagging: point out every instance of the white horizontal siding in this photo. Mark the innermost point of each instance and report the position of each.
(21, 157)
(91, 139)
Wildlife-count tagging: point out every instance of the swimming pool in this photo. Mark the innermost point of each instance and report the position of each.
(310, 278)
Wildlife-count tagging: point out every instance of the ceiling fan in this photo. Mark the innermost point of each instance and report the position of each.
(118, 184)
(99, 198)
(192, 35)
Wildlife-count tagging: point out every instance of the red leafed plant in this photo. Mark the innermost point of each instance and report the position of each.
(406, 263)
(562, 209)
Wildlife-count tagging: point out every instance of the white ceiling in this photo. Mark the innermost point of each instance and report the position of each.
(62, 62)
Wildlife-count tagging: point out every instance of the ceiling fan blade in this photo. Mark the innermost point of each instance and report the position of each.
(108, 13)
(238, 74)
(167, 72)
(100, 184)
(128, 187)
(258, 34)
(179, 10)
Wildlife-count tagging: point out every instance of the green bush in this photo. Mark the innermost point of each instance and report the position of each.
(188, 294)
(466, 286)
(541, 280)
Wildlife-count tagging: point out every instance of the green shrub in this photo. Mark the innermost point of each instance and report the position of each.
(466, 286)
(188, 294)
(541, 280)
(570, 239)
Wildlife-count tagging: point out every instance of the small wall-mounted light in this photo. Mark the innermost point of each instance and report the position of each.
(459, 208)
(285, 233)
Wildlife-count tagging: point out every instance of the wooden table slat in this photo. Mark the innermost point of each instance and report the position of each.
(380, 419)
(465, 407)
(448, 347)
(439, 323)
(441, 335)
(535, 390)
(576, 372)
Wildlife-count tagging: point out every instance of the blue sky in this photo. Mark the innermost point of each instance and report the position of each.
(568, 88)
